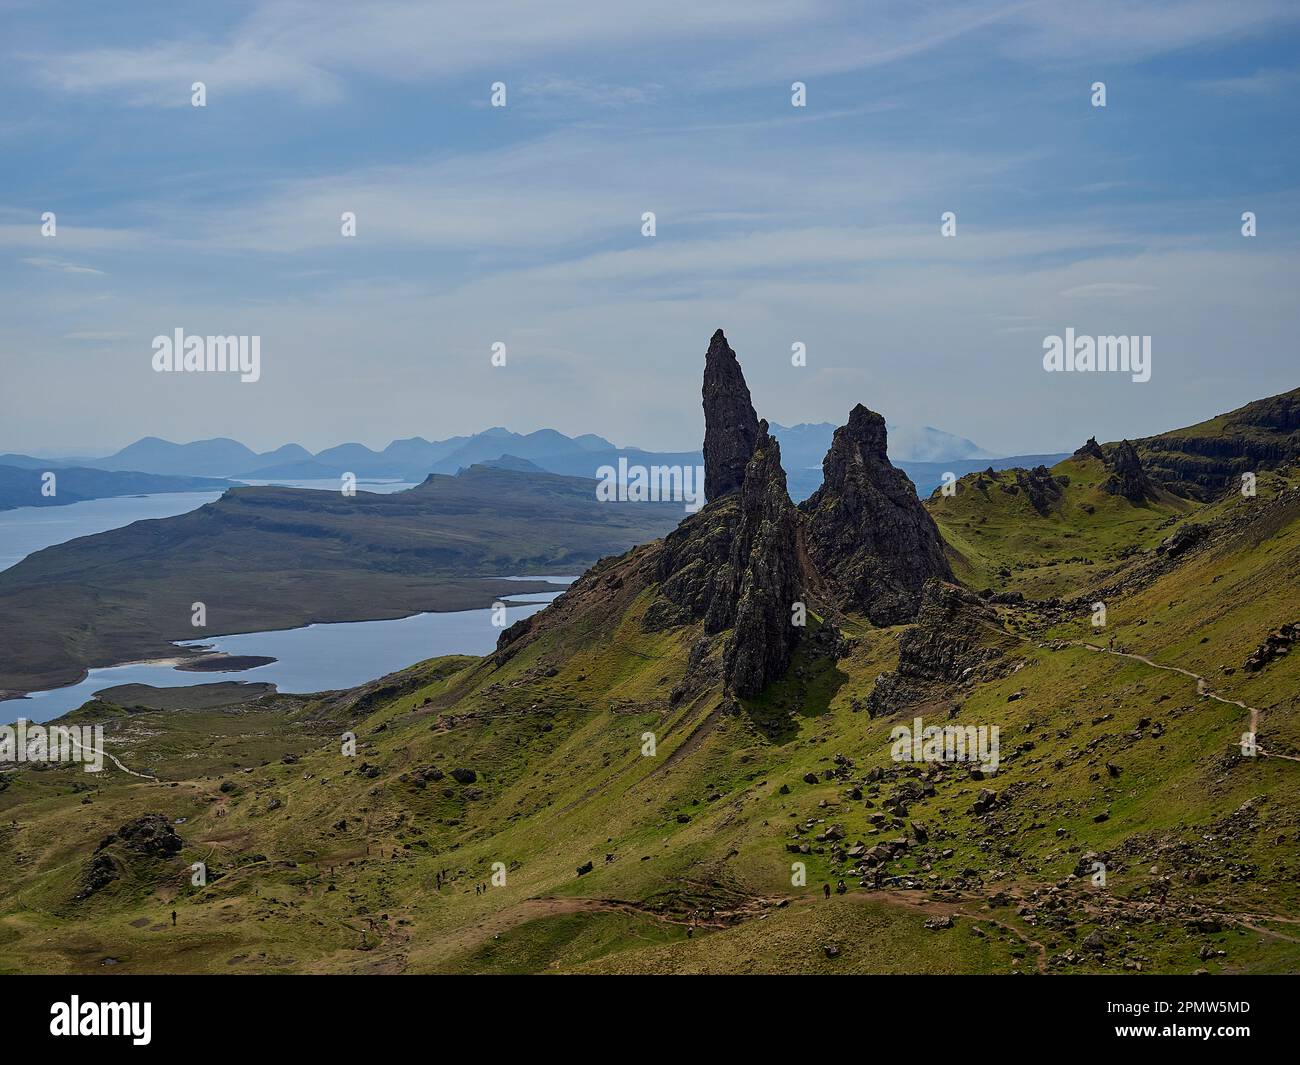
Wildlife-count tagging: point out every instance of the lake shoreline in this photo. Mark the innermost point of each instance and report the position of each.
(184, 654)
(320, 656)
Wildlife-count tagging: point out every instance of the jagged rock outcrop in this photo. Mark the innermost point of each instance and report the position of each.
(1091, 449)
(765, 568)
(1128, 478)
(1277, 644)
(730, 424)
(147, 837)
(151, 835)
(868, 534)
(1041, 489)
(736, 565)
(693, 571)
(957, 638)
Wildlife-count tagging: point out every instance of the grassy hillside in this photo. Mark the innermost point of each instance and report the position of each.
(370, 864)
(998, 539)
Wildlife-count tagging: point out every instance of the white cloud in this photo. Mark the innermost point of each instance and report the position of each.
(311, 50)
(1260, 83)
(562, 193)
(1106, 289)
(60, 265)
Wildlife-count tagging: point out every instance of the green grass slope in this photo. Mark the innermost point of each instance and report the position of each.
(385, 862)
(998, 539)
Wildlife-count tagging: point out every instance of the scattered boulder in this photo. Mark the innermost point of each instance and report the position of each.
(1277, 644)
(1184, 537)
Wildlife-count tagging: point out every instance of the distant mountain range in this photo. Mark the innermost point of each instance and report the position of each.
(803, 447)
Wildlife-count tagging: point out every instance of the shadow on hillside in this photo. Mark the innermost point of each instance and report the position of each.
(807, 689)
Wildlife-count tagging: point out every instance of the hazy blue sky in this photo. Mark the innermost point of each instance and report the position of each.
(523, 224)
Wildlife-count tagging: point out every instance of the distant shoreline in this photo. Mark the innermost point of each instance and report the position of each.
(200, 659)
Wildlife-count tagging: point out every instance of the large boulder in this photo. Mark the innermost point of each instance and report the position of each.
(957, 638)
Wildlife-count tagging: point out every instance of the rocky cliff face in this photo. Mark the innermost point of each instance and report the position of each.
(736, 564)
(1205, 460)
(765, 569)
(693, 569)
(730, 424)
(868, 534)
(1128, 478)
(957, 639)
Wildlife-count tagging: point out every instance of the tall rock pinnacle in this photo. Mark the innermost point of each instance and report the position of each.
(730, 424)
(765, 569)
(868, 533)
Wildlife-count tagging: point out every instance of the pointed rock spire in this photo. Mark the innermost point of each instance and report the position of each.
(1128, 478)
(765, 568)
(868, 533)
(1091, 449)
(730, 424)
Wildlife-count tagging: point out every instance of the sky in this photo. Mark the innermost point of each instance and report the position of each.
(522, 225)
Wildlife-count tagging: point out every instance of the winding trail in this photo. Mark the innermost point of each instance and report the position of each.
(1202, 689)
(104, 754)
